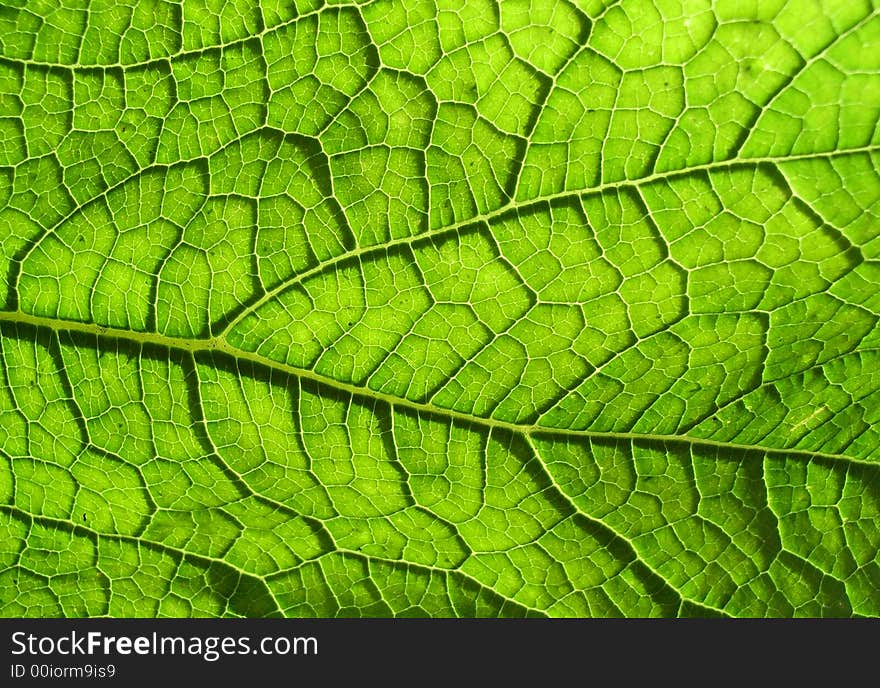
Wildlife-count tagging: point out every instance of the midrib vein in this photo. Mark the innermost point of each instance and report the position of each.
(218, 345)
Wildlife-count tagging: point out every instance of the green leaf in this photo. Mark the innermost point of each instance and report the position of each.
(463, 308)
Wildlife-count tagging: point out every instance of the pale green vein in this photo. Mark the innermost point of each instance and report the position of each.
(514, 206)
(217, 345)
(207, 560)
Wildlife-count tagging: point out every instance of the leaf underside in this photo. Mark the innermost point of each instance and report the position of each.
(456, 308)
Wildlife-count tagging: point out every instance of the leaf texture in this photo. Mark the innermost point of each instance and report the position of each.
(440, 307)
